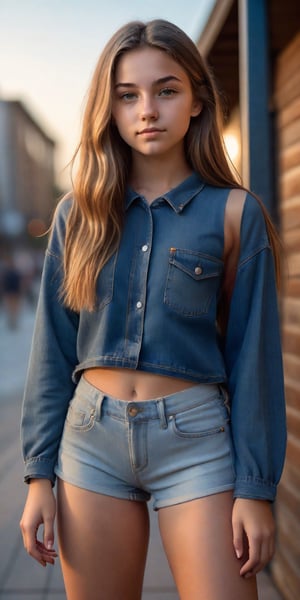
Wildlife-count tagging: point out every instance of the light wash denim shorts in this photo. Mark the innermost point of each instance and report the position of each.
(171, 449)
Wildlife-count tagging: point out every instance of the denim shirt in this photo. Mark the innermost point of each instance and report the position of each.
(156, 309)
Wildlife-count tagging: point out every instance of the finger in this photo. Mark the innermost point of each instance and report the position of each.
(31, 544)
(266, 553)
(255, 553)
(47, 556)
(33, 550)
(29, 541)
(47, 551)
(261, 551)
(40, 554)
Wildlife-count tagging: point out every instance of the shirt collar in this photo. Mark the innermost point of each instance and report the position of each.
(177, 197)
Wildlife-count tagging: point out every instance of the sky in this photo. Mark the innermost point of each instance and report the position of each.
(49, 48)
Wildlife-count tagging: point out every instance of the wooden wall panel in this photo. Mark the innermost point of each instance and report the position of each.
(286, 564)
(289, 157)
(291, 339)
(290, 213)
(290, 308)
(290, 182)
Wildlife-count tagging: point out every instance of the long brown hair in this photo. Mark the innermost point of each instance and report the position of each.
(95, 220)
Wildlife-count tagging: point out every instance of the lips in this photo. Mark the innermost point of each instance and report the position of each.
(149, 130)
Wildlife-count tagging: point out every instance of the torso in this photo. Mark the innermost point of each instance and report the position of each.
(130, 385)
(136, 385)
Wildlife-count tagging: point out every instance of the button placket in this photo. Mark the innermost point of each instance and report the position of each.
(144, 249)
(138, 287)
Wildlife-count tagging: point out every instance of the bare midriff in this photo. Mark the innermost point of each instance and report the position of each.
(130, 385)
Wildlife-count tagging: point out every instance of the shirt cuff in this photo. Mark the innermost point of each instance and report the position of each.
(254, 488)
(39, 468)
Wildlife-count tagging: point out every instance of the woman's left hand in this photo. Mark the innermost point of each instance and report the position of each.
(253, 534)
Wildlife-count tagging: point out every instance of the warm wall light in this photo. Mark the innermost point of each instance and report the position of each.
(232, 146)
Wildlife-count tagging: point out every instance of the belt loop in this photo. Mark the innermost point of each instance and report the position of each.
(99, 406)
(162, 413)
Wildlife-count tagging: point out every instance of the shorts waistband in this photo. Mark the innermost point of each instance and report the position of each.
(156, 408)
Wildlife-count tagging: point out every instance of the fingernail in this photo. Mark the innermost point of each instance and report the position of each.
(49, 545)
(238, 553)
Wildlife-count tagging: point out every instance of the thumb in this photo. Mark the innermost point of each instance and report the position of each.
(238, 535)
(48, 533)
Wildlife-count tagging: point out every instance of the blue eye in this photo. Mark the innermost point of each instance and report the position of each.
(167, 92)
(128, 96)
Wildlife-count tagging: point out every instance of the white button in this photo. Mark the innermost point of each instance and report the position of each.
(139, 304)
(198, 270)
(145, 248)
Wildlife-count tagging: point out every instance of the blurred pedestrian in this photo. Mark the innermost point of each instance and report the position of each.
(156, 367)
(11, 292)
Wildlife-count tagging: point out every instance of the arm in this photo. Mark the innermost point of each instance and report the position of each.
(252, 352)
(49, 388)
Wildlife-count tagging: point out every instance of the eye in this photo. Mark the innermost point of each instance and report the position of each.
(167, 92)
(128, 96)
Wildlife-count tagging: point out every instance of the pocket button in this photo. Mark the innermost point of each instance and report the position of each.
(198, 270)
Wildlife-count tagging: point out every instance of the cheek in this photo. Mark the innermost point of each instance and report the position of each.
(122, 127)
(185, 122)
(121, 118)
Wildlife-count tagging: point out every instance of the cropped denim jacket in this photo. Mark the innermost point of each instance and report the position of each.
(156, 309)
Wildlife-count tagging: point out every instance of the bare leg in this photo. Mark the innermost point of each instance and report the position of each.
(103, 544)
(197, 537)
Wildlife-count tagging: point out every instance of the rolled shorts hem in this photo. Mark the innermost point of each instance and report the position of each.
(195, 496)
(142, 497)
(146, 497)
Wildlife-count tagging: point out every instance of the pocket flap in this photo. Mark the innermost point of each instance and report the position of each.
(196, 264)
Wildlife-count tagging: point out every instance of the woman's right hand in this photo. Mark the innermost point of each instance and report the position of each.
(40, 509)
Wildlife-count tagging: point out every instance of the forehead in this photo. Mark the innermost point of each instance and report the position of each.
(142, 64)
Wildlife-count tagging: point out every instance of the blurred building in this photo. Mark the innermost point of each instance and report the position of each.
(27, 192)
(253, 48)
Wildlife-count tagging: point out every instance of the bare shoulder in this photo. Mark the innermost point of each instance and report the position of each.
(233, 217)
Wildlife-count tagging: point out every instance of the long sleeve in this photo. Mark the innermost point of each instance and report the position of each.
(254, 364)
(49, 386)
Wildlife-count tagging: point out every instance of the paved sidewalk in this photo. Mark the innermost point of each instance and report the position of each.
(20, 576)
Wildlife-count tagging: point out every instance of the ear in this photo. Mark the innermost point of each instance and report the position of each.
(196, 108)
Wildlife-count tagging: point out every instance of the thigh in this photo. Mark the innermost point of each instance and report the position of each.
(103, 544)
(197, 538)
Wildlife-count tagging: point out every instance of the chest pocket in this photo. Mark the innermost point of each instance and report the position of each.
(193, 280)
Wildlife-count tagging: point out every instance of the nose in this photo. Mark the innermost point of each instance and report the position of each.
(149, 110)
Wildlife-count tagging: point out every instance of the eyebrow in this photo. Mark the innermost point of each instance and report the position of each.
(156, 82)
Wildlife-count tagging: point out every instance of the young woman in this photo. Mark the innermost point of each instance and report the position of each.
(156, 365)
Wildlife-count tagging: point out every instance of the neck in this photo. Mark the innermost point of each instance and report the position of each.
(152, 176)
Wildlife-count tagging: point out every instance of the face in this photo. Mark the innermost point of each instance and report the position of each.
(153, 102)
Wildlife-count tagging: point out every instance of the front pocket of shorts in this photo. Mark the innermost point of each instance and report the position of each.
(80, 418)
(200, 421)
(193, 280)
